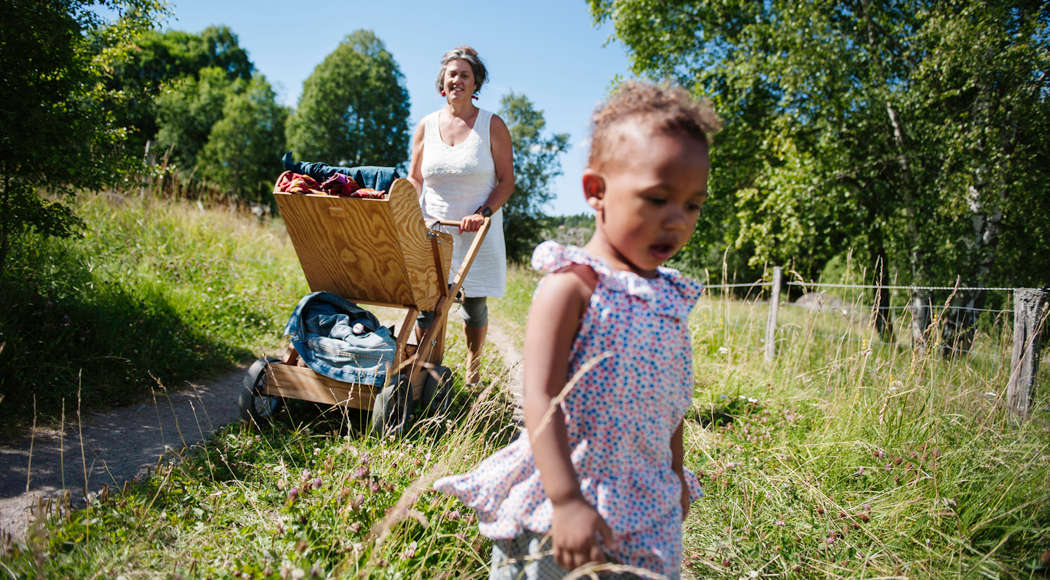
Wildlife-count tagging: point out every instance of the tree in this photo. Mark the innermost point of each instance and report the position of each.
(536, 164)
(242, 155)
(162, 59)
(354, 107)
(909, 129)
(187, 109)
(56, 132)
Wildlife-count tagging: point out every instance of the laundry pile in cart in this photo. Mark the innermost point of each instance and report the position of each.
(305, 177)
(338, 185)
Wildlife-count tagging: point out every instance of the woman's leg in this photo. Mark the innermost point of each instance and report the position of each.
(475, 327)
(475, 342)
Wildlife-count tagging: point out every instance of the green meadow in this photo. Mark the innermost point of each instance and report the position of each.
(843, 458)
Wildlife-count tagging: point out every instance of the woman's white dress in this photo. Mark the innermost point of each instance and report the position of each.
(456, 182)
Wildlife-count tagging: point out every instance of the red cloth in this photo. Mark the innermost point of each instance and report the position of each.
(369, 193)
(296, 183)
(340, 185)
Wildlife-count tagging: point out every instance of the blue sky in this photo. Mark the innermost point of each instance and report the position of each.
(548, 50)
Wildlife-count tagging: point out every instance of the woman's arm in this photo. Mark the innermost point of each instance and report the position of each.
(553, 322)
(415, 166)
(503, 158)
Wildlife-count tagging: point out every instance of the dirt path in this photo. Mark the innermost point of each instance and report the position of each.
(120, 443)
(513, 362)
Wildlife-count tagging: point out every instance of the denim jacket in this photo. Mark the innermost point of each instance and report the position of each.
(322, 330)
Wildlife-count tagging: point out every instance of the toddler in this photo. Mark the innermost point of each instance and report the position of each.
(598, 476)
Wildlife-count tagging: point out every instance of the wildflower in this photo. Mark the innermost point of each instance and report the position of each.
(754, 574)
(283, 483)
(860, 471)
(452, 516)
(779, 522)
(355, 527)
(362, 472)
(374, 487)
(293, 494)
(410, 552)
(365, 459)
(888, 468)
(298, 574)
(830, 540)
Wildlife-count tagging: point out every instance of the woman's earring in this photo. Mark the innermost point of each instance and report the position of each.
(474, 96)
(442, 93)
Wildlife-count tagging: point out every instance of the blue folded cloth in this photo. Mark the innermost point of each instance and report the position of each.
(322, 330)
(377, 178)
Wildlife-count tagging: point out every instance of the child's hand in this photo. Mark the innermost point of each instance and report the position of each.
(685, 497)
(573, 529)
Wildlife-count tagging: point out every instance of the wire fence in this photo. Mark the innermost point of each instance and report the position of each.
(963, 324)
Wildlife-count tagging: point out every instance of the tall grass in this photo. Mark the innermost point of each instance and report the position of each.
(155, 289)
(848, 457)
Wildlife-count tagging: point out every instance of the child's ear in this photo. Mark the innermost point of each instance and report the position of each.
(594, 189)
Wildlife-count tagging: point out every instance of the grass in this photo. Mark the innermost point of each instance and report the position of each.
(850, 458)
(843, 458)
(154, 290)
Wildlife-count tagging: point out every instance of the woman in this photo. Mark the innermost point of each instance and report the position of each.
(463, 167)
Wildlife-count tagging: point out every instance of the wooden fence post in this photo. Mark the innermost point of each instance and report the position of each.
(1024, 364)
(774, 306)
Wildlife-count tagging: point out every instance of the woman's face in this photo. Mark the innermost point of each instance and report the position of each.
(459, 81)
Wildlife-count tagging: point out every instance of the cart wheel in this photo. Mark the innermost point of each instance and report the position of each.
(437, 391)
(391, 412)
(255, 406)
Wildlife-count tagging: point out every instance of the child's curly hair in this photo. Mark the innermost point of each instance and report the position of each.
(663, 108)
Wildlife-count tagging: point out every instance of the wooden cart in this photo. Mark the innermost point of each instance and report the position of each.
(376, 252)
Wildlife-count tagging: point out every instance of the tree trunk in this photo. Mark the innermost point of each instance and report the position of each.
(920, 307)
(5, 220)
(960, 327)
(881, 297)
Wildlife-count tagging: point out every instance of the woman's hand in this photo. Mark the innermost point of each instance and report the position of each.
(471, 223)
(574, 531)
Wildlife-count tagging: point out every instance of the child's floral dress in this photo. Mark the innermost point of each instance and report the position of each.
(620, 417)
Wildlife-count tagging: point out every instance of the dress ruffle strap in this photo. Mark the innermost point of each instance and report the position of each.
(671, 294)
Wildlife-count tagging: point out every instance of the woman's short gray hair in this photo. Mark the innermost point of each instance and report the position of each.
(462, 53)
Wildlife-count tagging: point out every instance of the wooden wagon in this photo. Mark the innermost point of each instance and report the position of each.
(377, 252)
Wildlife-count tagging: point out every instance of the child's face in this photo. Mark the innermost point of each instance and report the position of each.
(648, 197)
